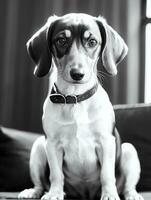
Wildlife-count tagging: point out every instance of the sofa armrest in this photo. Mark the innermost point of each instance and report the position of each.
(134, 125)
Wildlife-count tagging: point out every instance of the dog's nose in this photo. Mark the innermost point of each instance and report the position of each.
(76, 74)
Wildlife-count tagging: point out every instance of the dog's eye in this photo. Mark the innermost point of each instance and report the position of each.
(61, 42)
(91, 43)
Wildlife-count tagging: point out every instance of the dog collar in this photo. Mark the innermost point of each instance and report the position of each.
(57, 97)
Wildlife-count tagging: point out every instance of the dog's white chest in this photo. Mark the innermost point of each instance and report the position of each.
(75, 128)
(62, 116)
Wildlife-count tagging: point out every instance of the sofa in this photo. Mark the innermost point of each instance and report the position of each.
(132, 121)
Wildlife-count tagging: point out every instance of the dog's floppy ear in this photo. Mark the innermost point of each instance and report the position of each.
(113, 49)
(38, 50)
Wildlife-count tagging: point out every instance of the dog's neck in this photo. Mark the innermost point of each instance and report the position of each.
(77, 88)
(57, 97)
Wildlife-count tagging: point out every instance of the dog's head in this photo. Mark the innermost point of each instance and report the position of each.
(75, 42)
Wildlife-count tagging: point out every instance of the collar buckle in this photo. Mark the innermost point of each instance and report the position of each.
(71, 99)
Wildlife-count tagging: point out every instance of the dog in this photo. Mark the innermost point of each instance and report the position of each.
(81, 155)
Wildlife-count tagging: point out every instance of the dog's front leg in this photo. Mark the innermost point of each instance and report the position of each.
(106, 154)
(55, 159)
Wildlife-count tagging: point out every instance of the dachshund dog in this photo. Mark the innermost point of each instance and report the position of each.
(80, 155)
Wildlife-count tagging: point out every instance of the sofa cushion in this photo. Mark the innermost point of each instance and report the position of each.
(15, 149)
(134, 125)
(14, 195)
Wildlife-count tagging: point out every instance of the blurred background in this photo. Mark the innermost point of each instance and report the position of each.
(22, 95)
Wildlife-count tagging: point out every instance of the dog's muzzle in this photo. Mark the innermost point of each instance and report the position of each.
(76, 75)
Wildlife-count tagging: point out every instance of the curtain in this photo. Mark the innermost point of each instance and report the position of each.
(21, 94)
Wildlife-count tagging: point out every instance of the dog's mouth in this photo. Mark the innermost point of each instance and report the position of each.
(75, 76)
(75, 82)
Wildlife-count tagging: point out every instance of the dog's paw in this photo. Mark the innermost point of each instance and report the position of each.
(109, 197)
(31, 193)
(109, 193)
(53, 196)
(133, 195)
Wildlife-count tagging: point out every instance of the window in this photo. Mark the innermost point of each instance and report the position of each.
(147, 96)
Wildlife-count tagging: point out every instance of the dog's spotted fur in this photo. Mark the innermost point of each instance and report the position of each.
(81, 147)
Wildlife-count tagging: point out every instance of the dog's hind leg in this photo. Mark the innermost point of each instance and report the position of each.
(130, 170)
(38, 165)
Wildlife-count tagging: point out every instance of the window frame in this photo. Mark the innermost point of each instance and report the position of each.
(145, 20)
